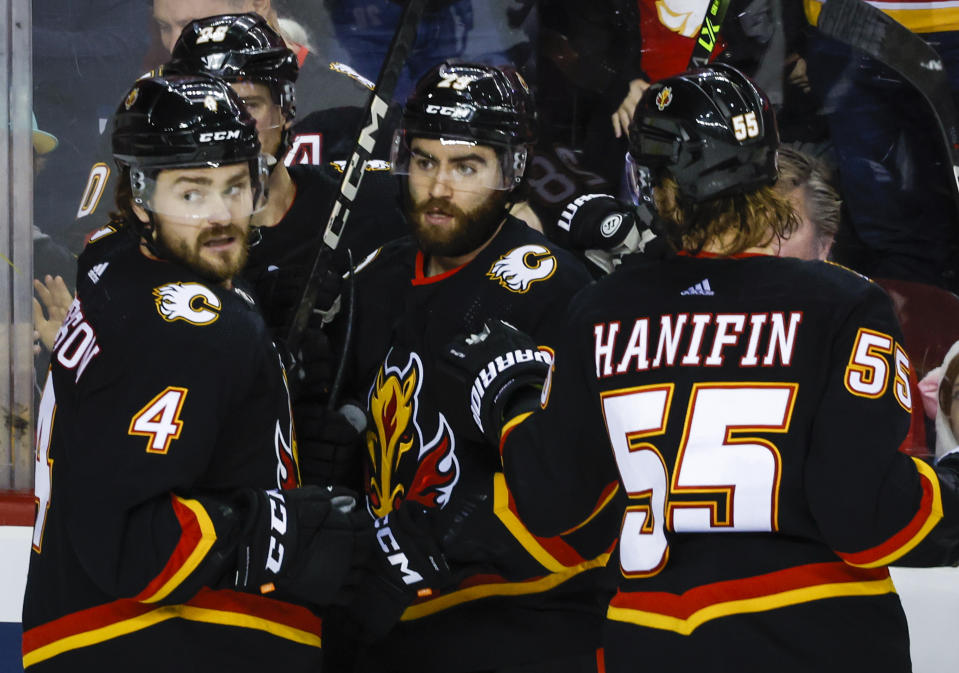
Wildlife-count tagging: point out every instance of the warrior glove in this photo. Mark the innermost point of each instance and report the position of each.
(605, 228)
(300, 542)
(504, 371)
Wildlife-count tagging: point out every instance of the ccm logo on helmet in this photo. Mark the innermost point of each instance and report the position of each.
(448, 111)
(209, 136)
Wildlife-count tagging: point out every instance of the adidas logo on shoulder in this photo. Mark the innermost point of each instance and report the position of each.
(97, 272)
(701, 288)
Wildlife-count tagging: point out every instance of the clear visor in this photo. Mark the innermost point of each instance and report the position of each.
(210, 193)
(639, 182)
(462, 164)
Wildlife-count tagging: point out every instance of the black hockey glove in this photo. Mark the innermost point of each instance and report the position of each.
(404, 564)
(329, 443)
(312, 368)
(279, 290)
(301, 543)
(504, 372)
(604, 227)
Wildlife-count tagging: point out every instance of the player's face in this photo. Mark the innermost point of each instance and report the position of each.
(268, 115)
(805, 242)
(172, 16)
(203, 218)
(450, 205)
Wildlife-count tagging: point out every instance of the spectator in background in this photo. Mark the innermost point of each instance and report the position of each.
(806, 182)
(84, 52)
(50, 258)
(892, 172)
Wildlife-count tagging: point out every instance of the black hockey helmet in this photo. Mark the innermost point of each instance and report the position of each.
(474, 102)
(184, 121)
(711, 129)
(238, 47)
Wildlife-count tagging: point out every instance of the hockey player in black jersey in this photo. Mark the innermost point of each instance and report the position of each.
(522, 602)
(246, 52)
(171, 533)
(328, 101)
(751, 408)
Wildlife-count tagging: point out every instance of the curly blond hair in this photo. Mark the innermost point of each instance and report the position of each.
(727, 224)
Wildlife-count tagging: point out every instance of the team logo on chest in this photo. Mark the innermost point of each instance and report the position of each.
(521, 267)
(196, 304)
(396, 447)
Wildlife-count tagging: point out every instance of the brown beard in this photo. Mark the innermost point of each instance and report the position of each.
(191, 258)
(470, 231)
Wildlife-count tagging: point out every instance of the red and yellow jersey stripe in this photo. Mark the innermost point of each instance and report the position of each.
(227, 608)
(925, 519)
(683, 613)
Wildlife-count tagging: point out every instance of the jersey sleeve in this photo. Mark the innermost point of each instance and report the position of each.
(556, 459)
(874, 504)
(138, 491)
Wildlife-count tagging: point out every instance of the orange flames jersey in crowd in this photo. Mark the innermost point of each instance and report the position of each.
(165, 396)
(752, 409)
(521, 597)
(919, 16)
(669, 29)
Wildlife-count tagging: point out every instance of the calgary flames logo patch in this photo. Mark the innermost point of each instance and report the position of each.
(664, 98)
(196, 304)
(521, 267)
(396, 447)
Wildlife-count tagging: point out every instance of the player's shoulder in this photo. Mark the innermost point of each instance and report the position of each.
(396, 255)
(525, 260)
(829, 282)
(127, 292)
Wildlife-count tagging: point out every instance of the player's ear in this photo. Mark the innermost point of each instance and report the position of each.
(141, 213)
(262, 7)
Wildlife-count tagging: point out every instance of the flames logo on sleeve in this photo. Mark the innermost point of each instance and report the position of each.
(396, 447)
(521, 267)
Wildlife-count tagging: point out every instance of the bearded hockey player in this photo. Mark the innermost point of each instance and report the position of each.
(522, 602)
(751, 407)
(172, 534)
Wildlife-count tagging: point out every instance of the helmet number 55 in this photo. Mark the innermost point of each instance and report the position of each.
(745, 126)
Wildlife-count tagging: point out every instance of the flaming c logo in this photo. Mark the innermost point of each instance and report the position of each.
(396, 447)
(664, 98)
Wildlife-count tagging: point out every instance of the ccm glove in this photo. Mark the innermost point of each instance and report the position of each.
(300, 543)
(504, 371)
(404, 564)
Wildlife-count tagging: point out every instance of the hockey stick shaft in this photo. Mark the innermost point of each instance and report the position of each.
(862, 26)
(353, 173)
(708, 33)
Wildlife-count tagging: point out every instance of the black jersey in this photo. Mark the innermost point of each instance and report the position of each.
(295, 239)
(522, 598)
(751, 409)
(165, 395)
